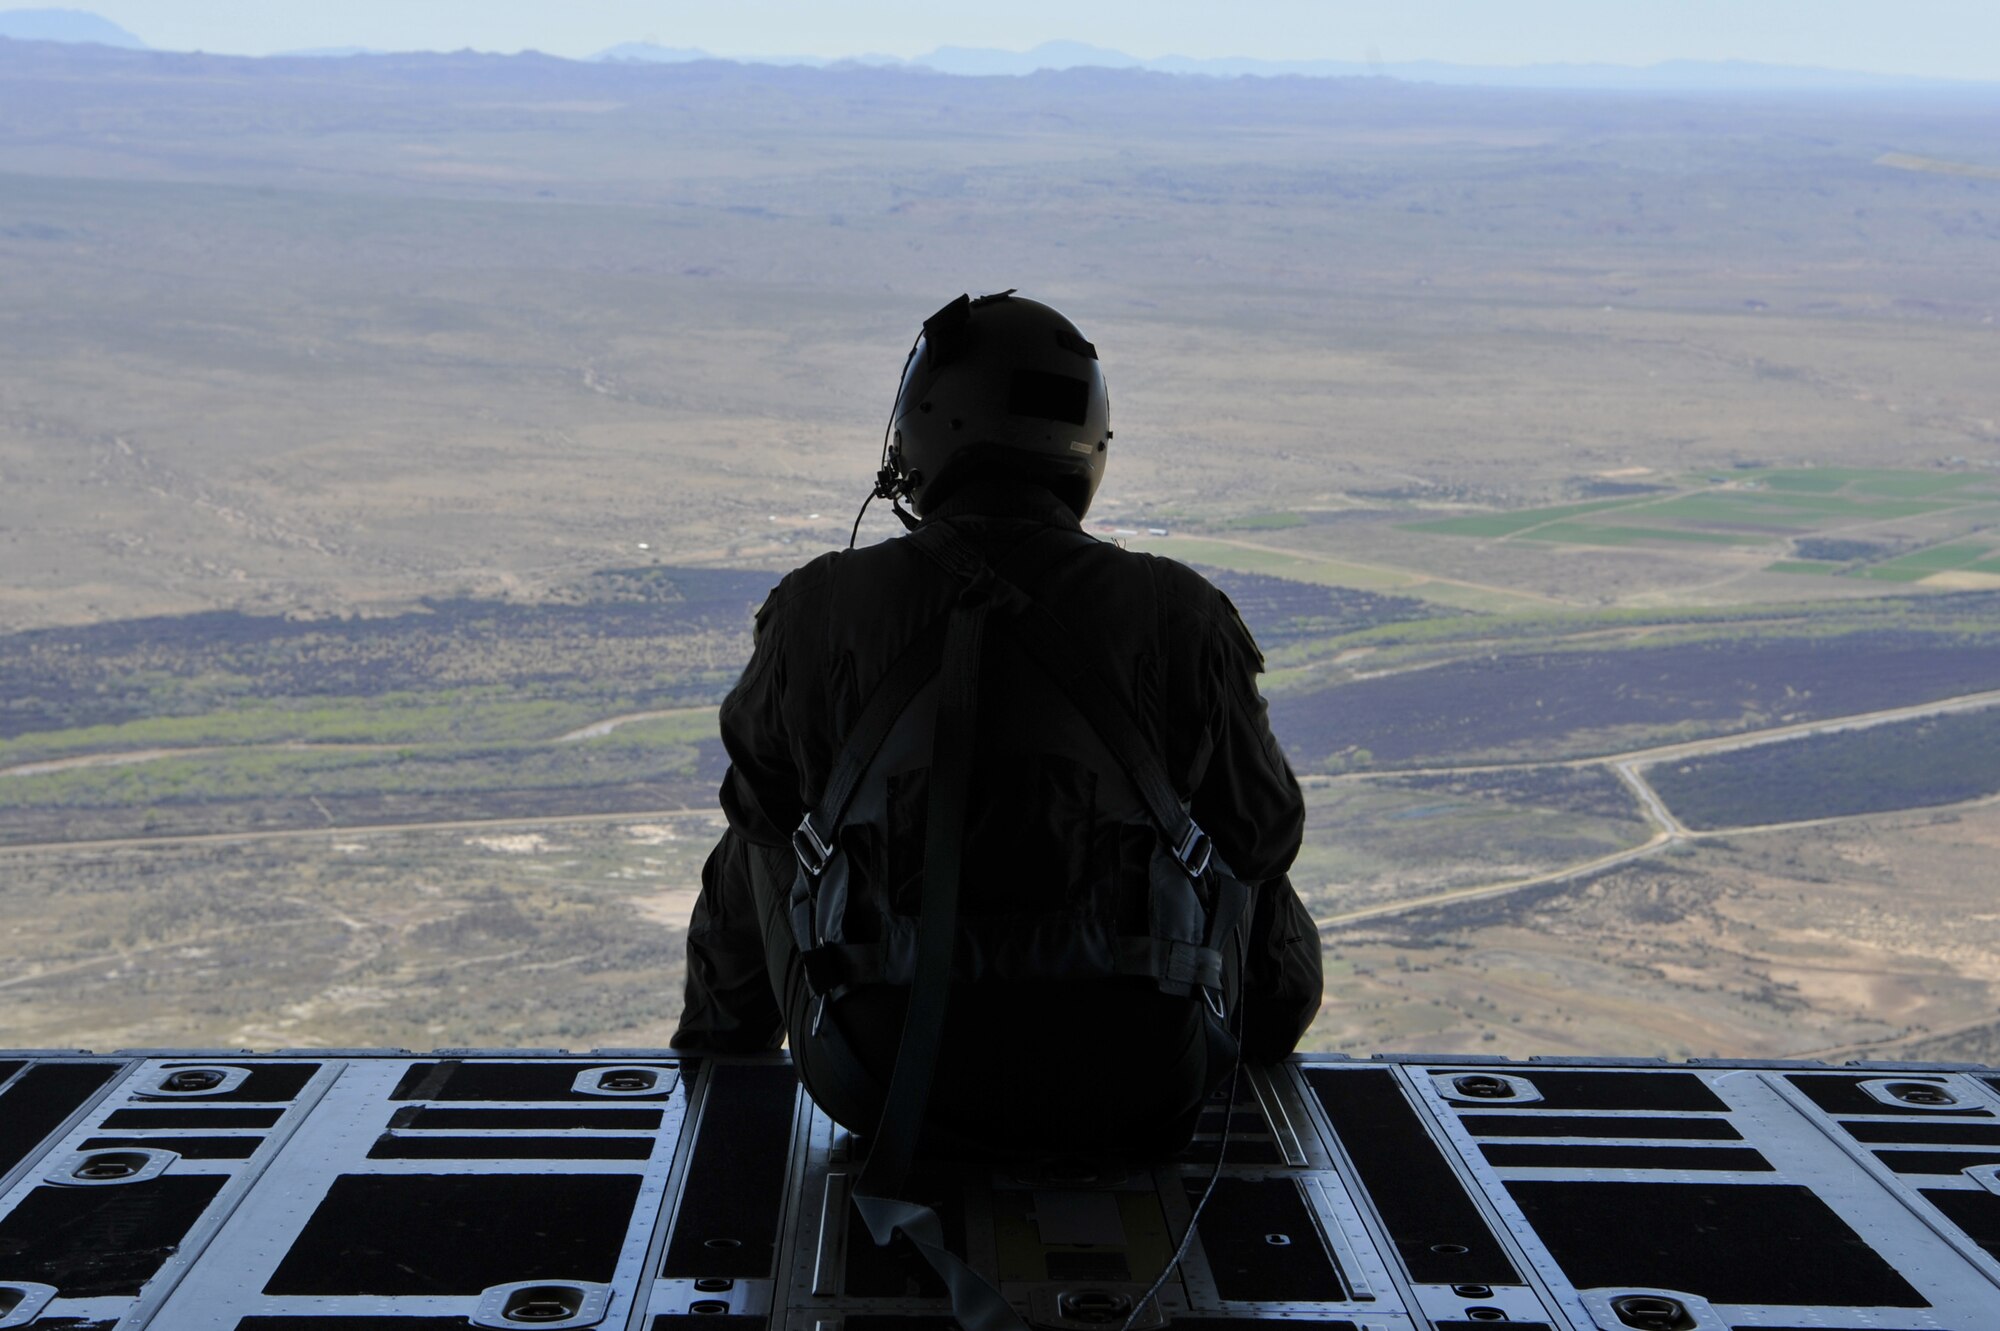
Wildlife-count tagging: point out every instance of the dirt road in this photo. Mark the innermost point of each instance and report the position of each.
(1629, 767)
(1667, 828)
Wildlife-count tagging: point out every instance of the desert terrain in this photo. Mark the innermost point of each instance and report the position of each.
(394, 449)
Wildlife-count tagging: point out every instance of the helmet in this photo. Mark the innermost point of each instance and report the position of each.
(999, 381)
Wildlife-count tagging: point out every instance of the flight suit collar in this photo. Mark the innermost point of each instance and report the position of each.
(1018, 500)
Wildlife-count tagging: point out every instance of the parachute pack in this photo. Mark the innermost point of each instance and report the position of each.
(846, 922)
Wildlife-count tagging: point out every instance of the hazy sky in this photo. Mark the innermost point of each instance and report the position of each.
(1949, 38)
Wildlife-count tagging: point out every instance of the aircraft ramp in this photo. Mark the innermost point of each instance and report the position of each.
(374, 1190)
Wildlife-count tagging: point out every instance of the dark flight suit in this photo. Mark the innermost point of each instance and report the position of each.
(1091, 1065)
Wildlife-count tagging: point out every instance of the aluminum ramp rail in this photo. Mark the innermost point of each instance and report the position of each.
(375, 1190)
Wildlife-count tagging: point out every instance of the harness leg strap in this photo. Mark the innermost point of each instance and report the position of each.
(975, 1304)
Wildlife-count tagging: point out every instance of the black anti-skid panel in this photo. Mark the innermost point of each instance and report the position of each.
(431, 1147)
(37, 1102)
(294, 1202)
(1730, 1243)
(1262, 1245)
(1917, 1132)
(1657, 1092)
(190, 1117)
(190, 1148)
(391, 1234)
(461, 1079)
(101, 1242)
(728, 1220)
(1584, 1125)
(420, 1118)
(1438, 1231)
(1547, 1155)
(1289, 1324)
(354, 1324)
(1842, 1094)
(1977, 1213)
(1936, 1162)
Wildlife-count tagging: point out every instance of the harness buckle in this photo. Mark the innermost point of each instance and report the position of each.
(1194, 851)
(813, 853)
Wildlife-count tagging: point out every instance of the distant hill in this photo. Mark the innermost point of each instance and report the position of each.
(1667, 76)
(1049, 55)
(328, 53)
(652, 53)
(655, 54)
(64, 25)
(78, 26)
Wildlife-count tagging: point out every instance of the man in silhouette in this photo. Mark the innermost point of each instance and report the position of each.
(1100, 985)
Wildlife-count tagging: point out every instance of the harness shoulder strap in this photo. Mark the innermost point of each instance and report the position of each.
(812, 842)
(1053, 647)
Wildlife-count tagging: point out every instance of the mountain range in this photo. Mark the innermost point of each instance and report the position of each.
(64, 25)
(1719, 75)
(68, 25)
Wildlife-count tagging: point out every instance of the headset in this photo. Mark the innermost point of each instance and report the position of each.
(892, 482)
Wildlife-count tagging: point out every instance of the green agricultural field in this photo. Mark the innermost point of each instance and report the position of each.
(1279, 564)
(1506, 524)
(1261, 522)
(1886, 573)
(1324, 572)
(243, 774)
(1584, 533)
(491, 714)
(1774, 509)
(651, 762)
(1939, 558)
(1740, 510)
(1892, 482)
(1797, 503)
(1812, 480)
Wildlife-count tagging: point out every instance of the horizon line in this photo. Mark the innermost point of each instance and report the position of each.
(1184, 64)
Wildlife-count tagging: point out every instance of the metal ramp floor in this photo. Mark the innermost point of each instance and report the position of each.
(373, 1190)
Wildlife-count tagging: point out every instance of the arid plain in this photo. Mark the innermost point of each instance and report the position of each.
(392, 450)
